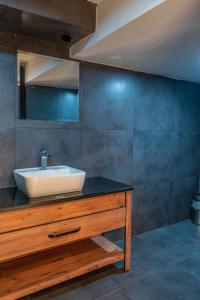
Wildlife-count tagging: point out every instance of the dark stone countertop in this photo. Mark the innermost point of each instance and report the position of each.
(12, 199)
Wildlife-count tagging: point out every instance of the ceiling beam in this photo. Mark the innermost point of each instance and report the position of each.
(51, 20)
(13, 42)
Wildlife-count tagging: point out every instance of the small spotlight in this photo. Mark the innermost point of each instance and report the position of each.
(66, 38)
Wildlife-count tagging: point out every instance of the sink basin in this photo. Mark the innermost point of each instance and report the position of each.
(37, 182)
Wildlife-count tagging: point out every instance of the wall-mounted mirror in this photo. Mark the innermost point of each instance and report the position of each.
(48, 88)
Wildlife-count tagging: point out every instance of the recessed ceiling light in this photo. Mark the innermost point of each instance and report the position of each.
(115, 56)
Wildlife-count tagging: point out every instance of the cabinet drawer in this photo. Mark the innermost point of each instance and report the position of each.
(44, 214)
(35, 239)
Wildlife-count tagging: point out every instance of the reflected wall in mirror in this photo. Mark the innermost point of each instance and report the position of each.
(48, 88)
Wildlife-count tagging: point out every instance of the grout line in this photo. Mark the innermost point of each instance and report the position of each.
(110, 293)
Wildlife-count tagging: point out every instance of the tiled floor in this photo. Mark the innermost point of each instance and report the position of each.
(166, 265)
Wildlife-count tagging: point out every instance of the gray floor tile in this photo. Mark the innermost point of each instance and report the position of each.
(142, 266)
(89, 287)
(174, 243)
(118, 295)
(192, 264)
(169, 284)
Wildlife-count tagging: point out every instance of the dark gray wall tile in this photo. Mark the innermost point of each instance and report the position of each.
(182, 191)
(63, 145)
(107, 94)
(105, 147)
(7, 117)
(7, 156)
(120, 171)
(160, 155)
(150, 206)
(155, 106)
(184, 156)
(187, 97)
(151, 156)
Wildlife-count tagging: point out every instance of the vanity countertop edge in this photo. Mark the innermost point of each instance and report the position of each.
(12, 199)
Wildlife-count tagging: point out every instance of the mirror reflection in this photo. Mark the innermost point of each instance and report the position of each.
(48, 88)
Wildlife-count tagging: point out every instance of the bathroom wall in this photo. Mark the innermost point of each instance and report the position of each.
(143, 130)
(139, 129)
(7, 116)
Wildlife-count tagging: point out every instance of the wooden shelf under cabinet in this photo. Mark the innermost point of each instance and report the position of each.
(35, 272)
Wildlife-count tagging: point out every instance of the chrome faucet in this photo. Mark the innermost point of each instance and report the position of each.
(44, 159)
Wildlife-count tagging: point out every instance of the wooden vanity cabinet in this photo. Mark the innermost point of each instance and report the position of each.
(45, 245)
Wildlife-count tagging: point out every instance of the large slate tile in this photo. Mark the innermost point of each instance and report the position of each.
(161, 243)
(63, 144)
(170, 283)
(150, 206)
(95, 288)
(8, 88)
(182, 191)
(192, 264)
(118, 295)
(155, 106)
(143, 265)
(174, 243)
(56, 291)
(164, 104)
(186, 229)
(184, 156)
(120, 171)
(151, 156)
(106, 147)
(93, 105)
(91, 171)
(7, 157)
(152, 243)
(161, 155)
(187, 95)
(7, 196)
(90, 287)
(188, 233)
(107, 102)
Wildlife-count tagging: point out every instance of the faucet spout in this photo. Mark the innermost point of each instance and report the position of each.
(44, 159)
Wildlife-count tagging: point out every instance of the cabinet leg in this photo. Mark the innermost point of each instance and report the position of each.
(128, 235)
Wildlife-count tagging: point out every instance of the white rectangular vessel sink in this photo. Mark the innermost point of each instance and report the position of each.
(38, 182)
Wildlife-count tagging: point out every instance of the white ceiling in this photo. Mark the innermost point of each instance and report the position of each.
(153, 36)
(48, 71)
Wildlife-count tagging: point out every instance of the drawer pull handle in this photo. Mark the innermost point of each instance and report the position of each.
(56, 235)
